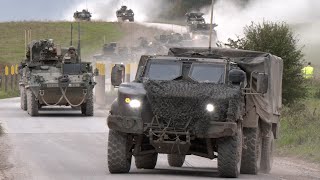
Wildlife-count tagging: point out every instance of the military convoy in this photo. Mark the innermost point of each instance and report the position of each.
(53, 76)
(221, 103)
(83, 15)
(124, 14)
(198, 28)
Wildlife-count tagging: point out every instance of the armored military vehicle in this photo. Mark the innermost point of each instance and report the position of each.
(195, 18)
(222, 104)
(50, 78)
(124, 14)
(198, 28)
(83, 15)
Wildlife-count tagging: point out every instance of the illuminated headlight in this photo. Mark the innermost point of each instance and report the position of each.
(196, 37)
(210, 107)
(134, 103)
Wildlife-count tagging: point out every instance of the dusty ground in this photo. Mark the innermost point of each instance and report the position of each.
(61, 144)
(5, 150)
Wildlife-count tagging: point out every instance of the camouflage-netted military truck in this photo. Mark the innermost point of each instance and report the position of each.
(50, 78)
(222, 104)
(83, 15)
(124, 14)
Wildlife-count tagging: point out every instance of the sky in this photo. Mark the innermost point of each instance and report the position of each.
(20, 10)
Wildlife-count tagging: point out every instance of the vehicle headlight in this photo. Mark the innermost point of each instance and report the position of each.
(133, 103)
(210, 107)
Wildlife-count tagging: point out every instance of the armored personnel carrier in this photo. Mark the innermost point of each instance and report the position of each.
(198, 28)
(195, 18)
(83, 15)
(52, 78)
(221, 103)
(124, 14)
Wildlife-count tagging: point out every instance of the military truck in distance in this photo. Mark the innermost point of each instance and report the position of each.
(198, 28)
(124, 14)
(195, 18)
(83, 15)
(50, 78)
(222, 104)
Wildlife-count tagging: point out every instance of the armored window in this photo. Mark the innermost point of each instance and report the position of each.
(72, 69)
(211, 73)
(164, 70)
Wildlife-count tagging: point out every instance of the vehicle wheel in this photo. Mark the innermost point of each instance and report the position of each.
(148, 161)
(229, 155)
(119, 155)
(32, 104)
(176, 160)
(131, 20)
(251, 151)
(23, 98)
(87, 107)
(267, 153)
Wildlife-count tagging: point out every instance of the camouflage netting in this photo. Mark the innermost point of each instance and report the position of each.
(181, 102)
(267, 106)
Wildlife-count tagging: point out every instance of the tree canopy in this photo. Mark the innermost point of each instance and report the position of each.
(277, 39)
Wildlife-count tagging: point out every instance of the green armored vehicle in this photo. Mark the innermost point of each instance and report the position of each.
(222, 104)
(83, 15)
(124, 14)
(50, 77)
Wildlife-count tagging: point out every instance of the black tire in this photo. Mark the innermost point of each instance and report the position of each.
(23, 99)
(131, 20)
(32, 104)
(229, 155)
(87, 107)
(148, 161)
(176, 160)
(119, 155)
(251, 151)
(267, 153)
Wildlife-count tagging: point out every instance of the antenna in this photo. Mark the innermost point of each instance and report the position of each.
(71, 34)
(211, 27)
(79, 42)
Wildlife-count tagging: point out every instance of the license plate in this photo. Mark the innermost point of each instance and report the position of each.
(52, 85)
(74, 85)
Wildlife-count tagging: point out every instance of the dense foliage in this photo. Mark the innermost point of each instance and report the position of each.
(277, 39)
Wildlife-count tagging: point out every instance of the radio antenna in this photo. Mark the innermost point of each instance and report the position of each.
(211, 26)
(79, 42)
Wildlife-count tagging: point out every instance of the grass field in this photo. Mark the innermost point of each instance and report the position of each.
(299, 132)
(12, 37)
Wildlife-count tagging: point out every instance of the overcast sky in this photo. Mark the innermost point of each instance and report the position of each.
(19, 10)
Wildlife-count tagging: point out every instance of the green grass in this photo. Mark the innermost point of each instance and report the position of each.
(12, 37)
(12, 44)
(300, 127)
(8, 94)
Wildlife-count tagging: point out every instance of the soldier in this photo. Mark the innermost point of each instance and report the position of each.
(308, 71)
(71, 56)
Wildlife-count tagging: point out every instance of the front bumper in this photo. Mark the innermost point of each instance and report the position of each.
(135, 125)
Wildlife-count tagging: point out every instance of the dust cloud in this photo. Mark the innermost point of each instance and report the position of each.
(105, 10)
(302, 15)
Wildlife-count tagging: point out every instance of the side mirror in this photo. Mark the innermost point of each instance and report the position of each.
(96, 72)
(117, 75)
(262, 83)
(237, 76)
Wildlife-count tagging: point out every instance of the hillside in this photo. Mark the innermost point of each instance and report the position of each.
(93, 33)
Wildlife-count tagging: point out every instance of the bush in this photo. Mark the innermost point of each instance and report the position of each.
(277, 39)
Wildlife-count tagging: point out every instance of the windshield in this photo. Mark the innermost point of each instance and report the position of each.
(164, 71)
(211, 73)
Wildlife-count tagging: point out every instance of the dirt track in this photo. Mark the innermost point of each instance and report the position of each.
(52, 146)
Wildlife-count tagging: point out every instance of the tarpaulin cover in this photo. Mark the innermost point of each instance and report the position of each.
(267, 106)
